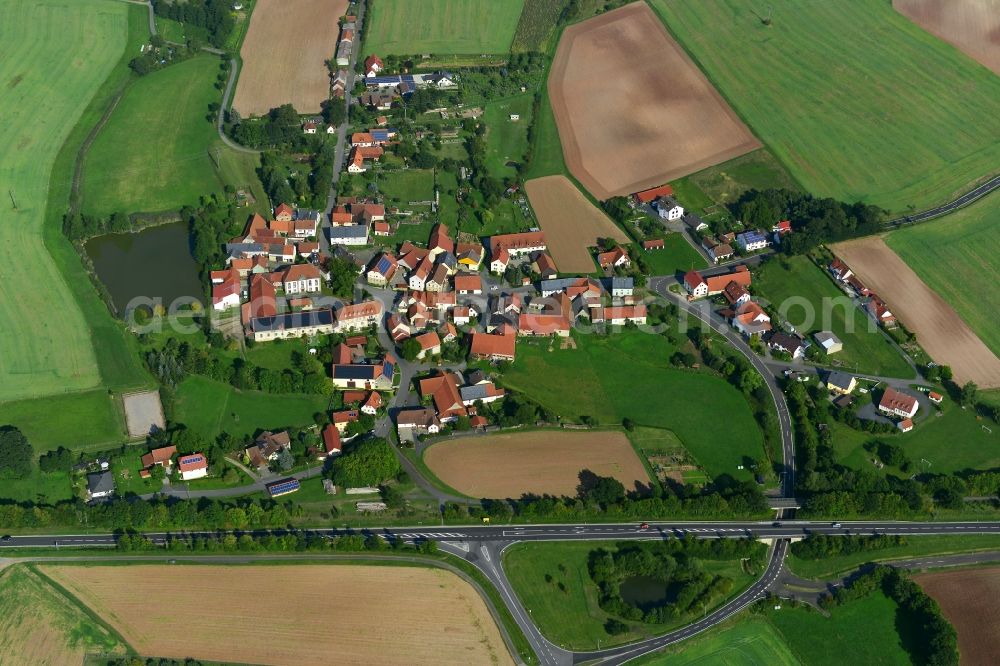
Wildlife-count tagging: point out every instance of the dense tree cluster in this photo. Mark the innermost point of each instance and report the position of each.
(821, 546)
(281, 127)
(216, 16)
(16, 454)
(367, 464)
(814, 221)
(306, 182)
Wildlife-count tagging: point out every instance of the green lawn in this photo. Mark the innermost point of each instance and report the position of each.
(210, 407)
(628, 375)
(676, 255)
(917, 546)
(751, 641)
(38, 487)
(173, 31)
(547, 156)
(958, 257)
(89, 420)
(507, 140)
(690, 195)
(855, 99)
(572, 618)
(49, 348)
(158, 150)
(405, 185)
(861, 632)
(951, 442)
(404, 27)
(802, 286)
(757, 170)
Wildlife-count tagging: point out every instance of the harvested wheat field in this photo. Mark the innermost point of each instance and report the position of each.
(533, 462)
(939, 329)
(570, 222)
(973, 26)
(321, 614)
(970, 600)
(633, 110)
(285, 53)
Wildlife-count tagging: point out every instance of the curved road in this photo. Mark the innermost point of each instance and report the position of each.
(962, 201)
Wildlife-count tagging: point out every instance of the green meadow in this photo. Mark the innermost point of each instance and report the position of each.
(405, 27)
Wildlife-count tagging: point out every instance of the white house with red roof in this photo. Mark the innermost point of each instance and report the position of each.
(192, 466)
(695, 284)
(301, 279)
(616, 258)
(373, 65)
(897, 403)
(331, 441)
(226, 293)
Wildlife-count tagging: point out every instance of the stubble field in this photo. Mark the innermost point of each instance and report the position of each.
(46, 345)
(939, 329)
(969, 600)
(855, 99)
(284, 55)
(533, 462)
(973, 26)
(360, 614)
(633, 110)
(570, 222)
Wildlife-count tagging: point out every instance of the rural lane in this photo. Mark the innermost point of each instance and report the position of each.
(962, 201)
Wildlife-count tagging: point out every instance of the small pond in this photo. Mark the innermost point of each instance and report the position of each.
(645, 592)
(154, 263)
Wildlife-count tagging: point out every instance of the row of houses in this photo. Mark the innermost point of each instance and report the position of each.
(345, 45)
(876, 308)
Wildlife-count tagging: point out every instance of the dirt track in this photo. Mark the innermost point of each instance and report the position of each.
(570, 222)
(292, 614)
(939, 329)
(970, 600)
(633, 110)
(971, 25)
(500, 466)
(284, 55)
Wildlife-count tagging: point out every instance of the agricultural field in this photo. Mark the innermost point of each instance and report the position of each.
(865, 631)
(312, 611)
(793, 285)
(566, 609)
(209, 407)
(970, 600)
(535, 27)
(938, 327)
(918, 546)
(898, 137)
(973, 26)
(159, 148)
(571, 223)
(757, 170)
(750, 641)
(506, 139)
(404, 27)
(40, 626)
(603, 371)
(954, 254)
(541, 462)
(87, 420)
(274, 73)
(48, 349)
(633, 110)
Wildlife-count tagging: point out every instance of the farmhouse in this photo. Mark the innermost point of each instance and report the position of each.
(736, 294)
(100, 485)
(841, 383)
(616, 258)
(789, 344)
(545, 266)
(418, 420)
(620, 315)
(896, 403)
(492, 347)
(751, 320)
(161, 456)
(373, 65)
(193, 466)
(226, 294)
(443, 390)
(668, 208)
(292, 325)
(751, 241)
(370, 376)
(828, 342)
(879, 311)
(516, 244)
(267, 447)
(698, 286)
(545, 323)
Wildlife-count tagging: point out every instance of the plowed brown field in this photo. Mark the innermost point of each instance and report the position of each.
(939, 329)
(284, 55)
(533, 462)
(971, 25)
(970, 600)
(570, 222)
(343, 614)
(633, 110)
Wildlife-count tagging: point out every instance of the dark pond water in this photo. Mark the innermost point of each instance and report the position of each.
(644, 591)
(155, 263)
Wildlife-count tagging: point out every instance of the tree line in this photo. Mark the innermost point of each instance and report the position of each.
(216, 16)
(822, 546)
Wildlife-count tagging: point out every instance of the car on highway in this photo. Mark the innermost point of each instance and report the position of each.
(836, 525)
(776, 524)
(6, 537)
(644, 526)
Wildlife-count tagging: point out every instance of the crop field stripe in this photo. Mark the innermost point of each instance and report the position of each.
(47, 347)
(970, 25)
(445, 27)
(884, 125)
(969, 600)
(76, 603)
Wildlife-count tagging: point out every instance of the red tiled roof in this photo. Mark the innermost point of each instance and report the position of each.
(331, 439)
(893, 399)
(654, 193)
(468, 282)
(518, 241)
(159, 456)
(654, 244)
(487, 346)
